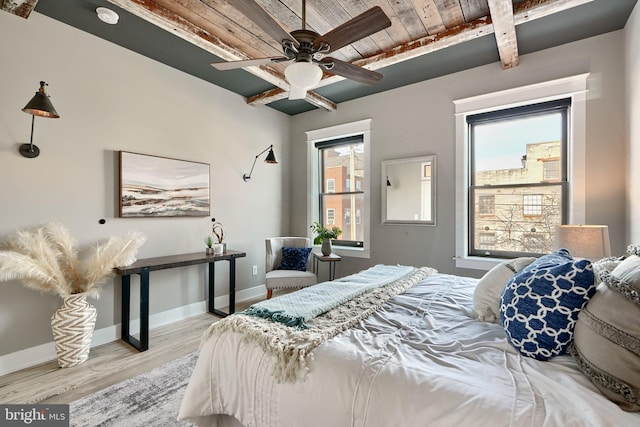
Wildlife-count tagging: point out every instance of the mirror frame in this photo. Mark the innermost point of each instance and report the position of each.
(383, 189)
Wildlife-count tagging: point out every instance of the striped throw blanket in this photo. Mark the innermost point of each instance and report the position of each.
(297, 308)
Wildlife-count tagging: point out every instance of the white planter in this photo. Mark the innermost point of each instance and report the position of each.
(72, 326)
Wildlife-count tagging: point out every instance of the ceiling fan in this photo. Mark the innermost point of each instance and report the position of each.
(307, 48)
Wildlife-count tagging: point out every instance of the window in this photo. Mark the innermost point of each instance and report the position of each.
(486, 205)
(342, 153)
(331, 185)
(502, 144)
(342, 160)
(331, 216)
(487, 240)
(551, 169)
(532, 204)
(536, 179)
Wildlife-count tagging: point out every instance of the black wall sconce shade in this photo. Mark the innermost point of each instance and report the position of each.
(40, 105)
(271, 158)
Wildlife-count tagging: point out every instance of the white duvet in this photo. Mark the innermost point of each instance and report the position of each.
(421, 360)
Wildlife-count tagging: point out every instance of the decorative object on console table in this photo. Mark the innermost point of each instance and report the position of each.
(324, 236)
(218, 230)
(584, 241)
(46, 259)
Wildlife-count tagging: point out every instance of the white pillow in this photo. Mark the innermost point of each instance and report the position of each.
(486, 297)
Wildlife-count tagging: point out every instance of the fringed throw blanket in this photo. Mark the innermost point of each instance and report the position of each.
(297, 308)
(292, 346)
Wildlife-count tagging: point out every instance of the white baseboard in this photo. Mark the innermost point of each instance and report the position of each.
(47, 352)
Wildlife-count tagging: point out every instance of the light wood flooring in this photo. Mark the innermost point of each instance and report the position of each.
(107, 364)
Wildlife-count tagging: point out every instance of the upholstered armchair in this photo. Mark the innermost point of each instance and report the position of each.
(277, 278)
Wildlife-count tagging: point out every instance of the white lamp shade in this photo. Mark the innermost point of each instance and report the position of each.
(584, 241)
(303, 75)
(296, 92)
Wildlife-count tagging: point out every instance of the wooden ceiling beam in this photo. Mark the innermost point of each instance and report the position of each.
(535, 9)
(158, 15)
(504, 30)
(523, 12)
(22, 8)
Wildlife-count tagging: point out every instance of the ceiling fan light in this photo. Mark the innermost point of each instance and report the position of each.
(303, 75)
(296, 92)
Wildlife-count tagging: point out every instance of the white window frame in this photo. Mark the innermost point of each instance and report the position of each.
(361, 127)
(331, 185)
(574, 87)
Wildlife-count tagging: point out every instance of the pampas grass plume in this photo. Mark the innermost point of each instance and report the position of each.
(47, 259)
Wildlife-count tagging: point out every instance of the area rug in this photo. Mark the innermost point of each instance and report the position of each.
(151, 399)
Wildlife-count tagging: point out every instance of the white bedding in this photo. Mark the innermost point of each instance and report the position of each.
(421, 360)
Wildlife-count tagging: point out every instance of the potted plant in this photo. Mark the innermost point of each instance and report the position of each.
(47, 259)
(209, 242)
(324, 236)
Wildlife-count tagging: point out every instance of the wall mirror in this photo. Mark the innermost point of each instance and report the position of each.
(409, 191)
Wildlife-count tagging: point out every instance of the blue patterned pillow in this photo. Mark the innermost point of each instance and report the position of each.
(294, 258)
(539, 306)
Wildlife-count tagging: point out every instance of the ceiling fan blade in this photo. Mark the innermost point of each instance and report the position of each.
(350, 71)
(363, 25)
(262, 19)
(232, 65)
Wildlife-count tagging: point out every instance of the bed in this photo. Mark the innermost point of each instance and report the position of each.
(420, 359)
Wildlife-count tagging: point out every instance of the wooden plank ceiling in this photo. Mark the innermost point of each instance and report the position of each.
(418, 27)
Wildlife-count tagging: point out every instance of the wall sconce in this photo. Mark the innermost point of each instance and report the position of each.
(271, 158)
(584, 241)
(40, 105)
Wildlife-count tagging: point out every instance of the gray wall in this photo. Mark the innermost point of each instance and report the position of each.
(113, 99)
(418, 120)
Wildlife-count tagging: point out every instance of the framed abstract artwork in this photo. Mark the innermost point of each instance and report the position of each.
(153, 186)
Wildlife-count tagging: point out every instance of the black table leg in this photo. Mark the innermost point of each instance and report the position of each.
(126, 307)
(232, 285)
(144, 309)
(211, 287)
(143, 343)
(212, 309)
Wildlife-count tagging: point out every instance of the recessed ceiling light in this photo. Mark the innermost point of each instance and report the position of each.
(107, 15)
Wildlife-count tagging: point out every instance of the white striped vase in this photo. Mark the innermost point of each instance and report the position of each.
(73, 326)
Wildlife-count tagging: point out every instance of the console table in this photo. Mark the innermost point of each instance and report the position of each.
(142, 267)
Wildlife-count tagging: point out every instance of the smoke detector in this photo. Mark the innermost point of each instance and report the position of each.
(107, 15)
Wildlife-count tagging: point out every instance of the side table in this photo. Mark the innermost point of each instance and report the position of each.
(331, 259)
